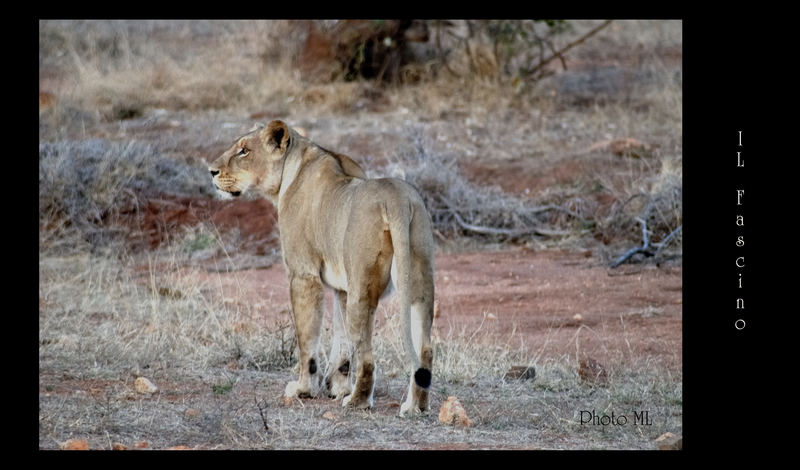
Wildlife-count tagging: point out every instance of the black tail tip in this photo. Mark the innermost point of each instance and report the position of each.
(422, 377)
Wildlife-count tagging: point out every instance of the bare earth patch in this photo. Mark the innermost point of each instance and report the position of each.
(564, 307)
(564, 303)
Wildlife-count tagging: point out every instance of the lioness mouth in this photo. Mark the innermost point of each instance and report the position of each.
(236, 193)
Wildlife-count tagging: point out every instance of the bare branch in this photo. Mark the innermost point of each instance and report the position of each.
(644, 249)
(506, 232)
(666, 240)
(569, 46)
(261, 411)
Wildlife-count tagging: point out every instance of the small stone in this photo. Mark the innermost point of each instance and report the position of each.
(521, 373)
(76, 444)
(329, 416)
(577, 317)
(118, 446)
(436, 311)
(179, 448)
(491, 316)
(592, 371)
(453, 413)
(669, 441)
(191, 413)
(145, 386)
(141, 445)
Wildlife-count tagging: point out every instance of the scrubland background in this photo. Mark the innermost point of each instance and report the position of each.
(557, 136)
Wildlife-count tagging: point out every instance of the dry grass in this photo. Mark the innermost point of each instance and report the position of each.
(106, 320)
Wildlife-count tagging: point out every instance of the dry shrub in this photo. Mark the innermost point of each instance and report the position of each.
(460, 208)
(85, 185)
(660, 208)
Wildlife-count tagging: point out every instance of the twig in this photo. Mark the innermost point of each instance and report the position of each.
(261, 412)
(666, 240)
(569, 46)
(441, 51)
(501, 231)
(644, 249)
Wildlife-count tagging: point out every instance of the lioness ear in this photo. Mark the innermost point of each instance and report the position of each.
(276, 134)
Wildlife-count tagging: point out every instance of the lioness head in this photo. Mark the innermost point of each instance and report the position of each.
(255, 161)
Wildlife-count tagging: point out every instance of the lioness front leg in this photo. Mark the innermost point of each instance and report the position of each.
(337, 376)
(306, 298)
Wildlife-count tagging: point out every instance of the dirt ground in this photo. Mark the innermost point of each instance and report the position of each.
(564, 306)
(561, 302)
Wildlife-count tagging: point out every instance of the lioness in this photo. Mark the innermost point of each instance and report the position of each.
(355, 235)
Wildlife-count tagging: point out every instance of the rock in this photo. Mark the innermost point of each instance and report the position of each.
(577, 317)
(329, 416)
(592, 372)
(76, 444)
(491, 316)
(669, 441)
(141, 445)
(179, 448)
(453, 413)
(520, 373)
(191, 413)
(144, 386)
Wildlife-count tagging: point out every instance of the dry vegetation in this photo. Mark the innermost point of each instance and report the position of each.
(131, 110)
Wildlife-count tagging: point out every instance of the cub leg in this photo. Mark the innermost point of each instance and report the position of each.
(337, 376)
(306, 297)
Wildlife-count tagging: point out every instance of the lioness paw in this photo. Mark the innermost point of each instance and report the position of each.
(362, 404)
(295, 389)
(291, 390)
(408, 409)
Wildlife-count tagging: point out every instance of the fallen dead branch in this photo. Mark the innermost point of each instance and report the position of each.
(645, 249)
(459, 208)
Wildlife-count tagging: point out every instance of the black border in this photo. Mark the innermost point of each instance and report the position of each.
(725, 74)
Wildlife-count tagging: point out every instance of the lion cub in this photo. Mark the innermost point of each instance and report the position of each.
(355, 235)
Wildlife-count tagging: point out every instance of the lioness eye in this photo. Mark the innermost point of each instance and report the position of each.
(243, 152)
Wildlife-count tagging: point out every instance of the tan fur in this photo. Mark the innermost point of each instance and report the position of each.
(349, 233)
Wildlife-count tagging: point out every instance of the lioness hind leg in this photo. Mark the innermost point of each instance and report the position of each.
(417, 396)
(421, 322)
(337, 376)
(366, 283)
(306, 298)
(360, 316)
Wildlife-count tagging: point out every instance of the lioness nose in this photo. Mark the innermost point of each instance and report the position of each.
(214, 172)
